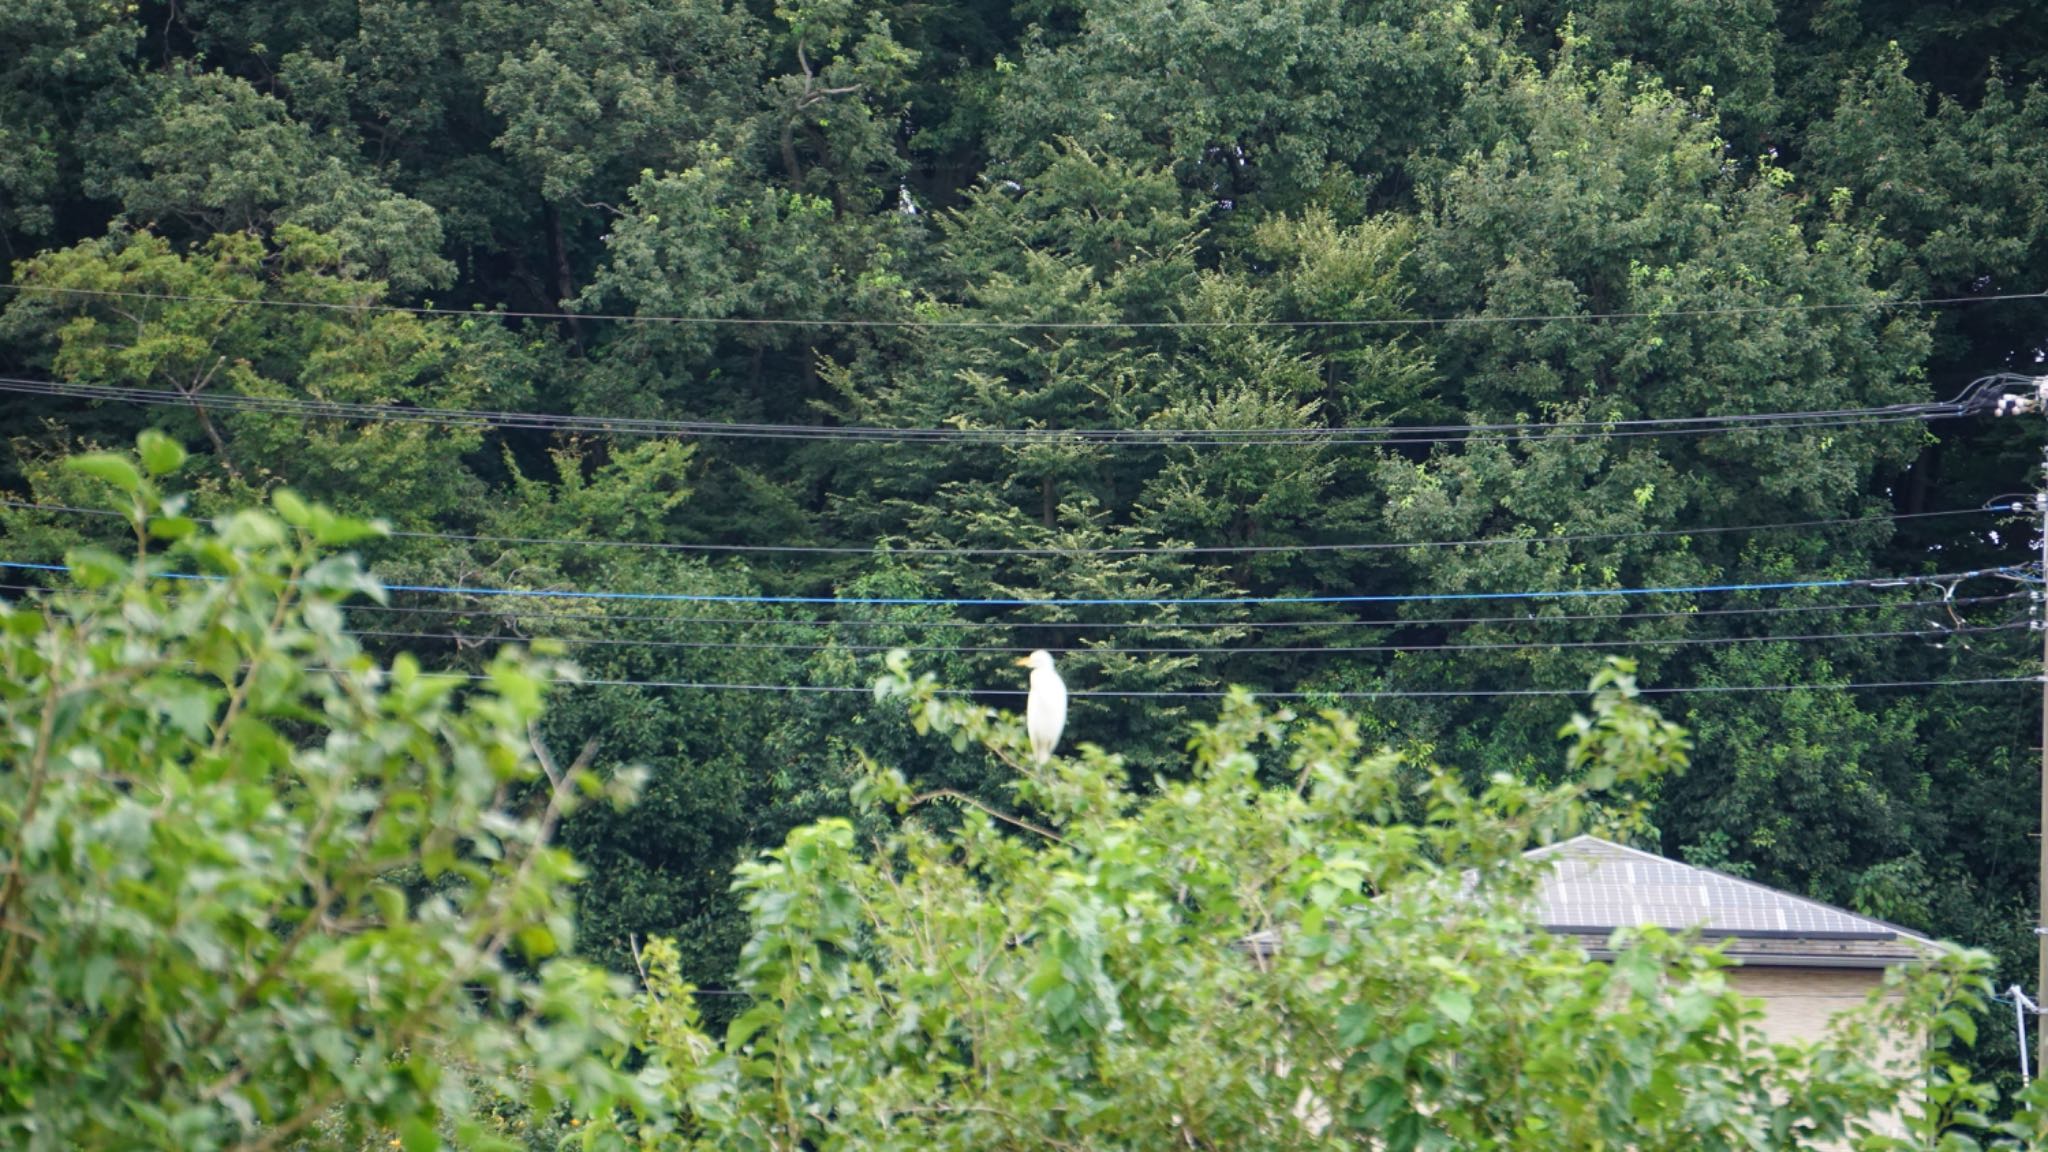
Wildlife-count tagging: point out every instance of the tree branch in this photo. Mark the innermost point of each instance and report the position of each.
(547, 760)
(971, 802)
(220, 446)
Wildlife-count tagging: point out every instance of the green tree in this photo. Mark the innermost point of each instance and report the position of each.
(1729, 51)
(215, 155)
(214, 335)
(1606, 193)
(607, 91)
(256, 886)
(66, 59)
(1075, 972)
(1253, 106)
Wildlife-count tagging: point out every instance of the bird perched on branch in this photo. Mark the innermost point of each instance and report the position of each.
(1045, 710)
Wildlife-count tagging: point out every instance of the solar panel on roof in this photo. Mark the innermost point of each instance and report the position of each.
(1597, 885)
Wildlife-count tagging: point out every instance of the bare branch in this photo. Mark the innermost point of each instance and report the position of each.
(971, 802)
(555, 775)
(220, 446)
(541, 753)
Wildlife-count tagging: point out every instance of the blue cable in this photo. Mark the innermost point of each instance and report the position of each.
(913, 601)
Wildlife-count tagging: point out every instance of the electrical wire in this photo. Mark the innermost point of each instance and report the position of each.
(1419, 435)
(1128, 601)
(1162, 625)
(1179, 625)
(1196, 650)
(1158, 625)
(1037, 325)
(1208, 694)
(880, 549)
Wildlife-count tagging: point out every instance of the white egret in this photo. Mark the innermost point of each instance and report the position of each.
(1045, 709)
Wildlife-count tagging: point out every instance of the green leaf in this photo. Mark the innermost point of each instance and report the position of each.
(160, 454)
(1453, 1002)
(1404, 1134)
(342, 531)
(115, 470)
(187, 704)
(748, 1023)
(100, 969)
(340, 576)
(172, 527)
(419, 1135)
(391, 904)
(1381, 1097)
(1959, 1023)
(291, 508)
(96, 567)
(536, 941)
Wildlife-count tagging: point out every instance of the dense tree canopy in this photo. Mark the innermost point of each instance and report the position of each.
(259, 890)
(1143, 218)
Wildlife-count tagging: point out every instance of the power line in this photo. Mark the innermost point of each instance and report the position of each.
(1209, 694)
(1168, 625)
(880, 549)
(1196, 650)
(1125, 601)
(694, 620)
(1209, 549)
(1394, 436)
(1419, 434)
(1187, 625)
(1038, 325)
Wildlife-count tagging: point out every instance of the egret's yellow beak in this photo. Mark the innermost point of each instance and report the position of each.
(1022, 661)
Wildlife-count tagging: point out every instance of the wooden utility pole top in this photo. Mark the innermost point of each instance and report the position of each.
(2022, 404)
(2041, 915)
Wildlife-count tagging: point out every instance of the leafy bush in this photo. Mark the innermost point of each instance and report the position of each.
(256, 890)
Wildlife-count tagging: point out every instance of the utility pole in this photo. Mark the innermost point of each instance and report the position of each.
(2012, 404)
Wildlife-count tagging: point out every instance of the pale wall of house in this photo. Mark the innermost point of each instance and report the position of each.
(1798, 1002)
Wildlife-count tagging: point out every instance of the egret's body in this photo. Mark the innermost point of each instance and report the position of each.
(1045, 709)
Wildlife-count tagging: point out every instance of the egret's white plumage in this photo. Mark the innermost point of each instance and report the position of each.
(1045, 709)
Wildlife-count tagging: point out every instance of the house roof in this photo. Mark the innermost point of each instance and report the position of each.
(1596, 886)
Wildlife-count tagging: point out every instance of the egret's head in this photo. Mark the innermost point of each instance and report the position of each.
(1035, 661)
